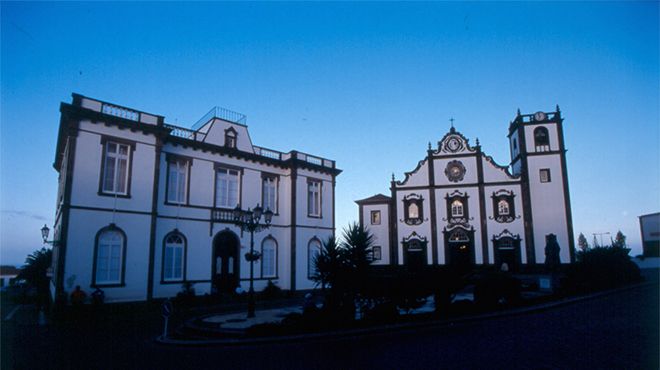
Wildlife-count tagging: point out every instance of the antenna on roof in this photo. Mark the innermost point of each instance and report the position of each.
(452, 122)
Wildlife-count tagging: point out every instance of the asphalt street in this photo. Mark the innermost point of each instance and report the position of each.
(615, 331)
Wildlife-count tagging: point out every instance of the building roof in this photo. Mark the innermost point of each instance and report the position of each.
(649, 215)
(376, 199)
(8, 270)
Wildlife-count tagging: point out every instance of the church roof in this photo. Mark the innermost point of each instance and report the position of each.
(376, 199)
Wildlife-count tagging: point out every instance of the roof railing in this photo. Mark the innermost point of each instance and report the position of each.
(223, 114)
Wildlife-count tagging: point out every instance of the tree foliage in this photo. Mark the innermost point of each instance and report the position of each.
(35, 272)
(582, 243)
(619, 240)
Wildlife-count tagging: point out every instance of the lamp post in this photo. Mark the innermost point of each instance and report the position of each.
(601, 237)
(250, 221)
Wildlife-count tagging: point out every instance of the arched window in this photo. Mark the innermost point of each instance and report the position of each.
(541, 139)
(269, 258)
(503, 208)
(109, 256)
(174, 254)
(459, 236)
(313, 250)
(457, 208)
(413, 210)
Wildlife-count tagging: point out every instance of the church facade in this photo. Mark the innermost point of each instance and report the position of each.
(145, 207)
(460, 208)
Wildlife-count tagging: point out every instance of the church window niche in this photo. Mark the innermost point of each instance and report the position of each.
(503, 206)
(541, 139)
(507, 250)
(457, 208)
(413, 210)
(230, 138)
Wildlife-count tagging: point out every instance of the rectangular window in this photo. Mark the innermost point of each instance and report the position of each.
(115, 169)
(545, 174)
(314, 198)
(375, 217)
(227, 188)
(269, 193)
(177, 184)
(377, 253)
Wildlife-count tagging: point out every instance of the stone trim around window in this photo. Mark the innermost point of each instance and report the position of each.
(412, 202)
(122, 281)
(105, 139)
(375, 217)
(277, 253)
(320, 205)
(222, 166)
(169, 159)
(276, 177)
(183, 259)
(506, 196)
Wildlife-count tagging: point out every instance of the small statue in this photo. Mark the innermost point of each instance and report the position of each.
(552, 259)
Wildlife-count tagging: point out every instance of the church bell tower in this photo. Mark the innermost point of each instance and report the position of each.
(538, 156)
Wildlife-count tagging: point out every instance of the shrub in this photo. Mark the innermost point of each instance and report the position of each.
(602, 268)
(271, 291)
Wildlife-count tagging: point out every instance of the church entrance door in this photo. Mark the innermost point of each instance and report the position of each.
(226, 262)
(415, 256)
(460, 250)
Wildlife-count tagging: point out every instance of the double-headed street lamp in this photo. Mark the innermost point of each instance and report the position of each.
(250, 221)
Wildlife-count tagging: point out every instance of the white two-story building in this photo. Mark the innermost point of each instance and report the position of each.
(458, 207)
(144, 206)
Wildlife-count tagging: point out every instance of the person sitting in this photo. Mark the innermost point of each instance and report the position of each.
(78, 297)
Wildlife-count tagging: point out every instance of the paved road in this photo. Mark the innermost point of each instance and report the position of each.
(617, 331)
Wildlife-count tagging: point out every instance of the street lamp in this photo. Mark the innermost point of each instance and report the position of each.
(44, 235)
(601, 237)
(250, 221)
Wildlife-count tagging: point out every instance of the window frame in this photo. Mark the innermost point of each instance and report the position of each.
(462, 198)
(231, 138)
(222, 167)
(310, 261)
(275, 258)
(376, 253)
(508, 196)
(105, 141)
(171, 159)
(122, 270)
(548, 175)
(376, 213)
(184, 255)
(276, 179)
(319, 200)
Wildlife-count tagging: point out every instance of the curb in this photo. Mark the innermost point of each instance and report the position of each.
(432, 324)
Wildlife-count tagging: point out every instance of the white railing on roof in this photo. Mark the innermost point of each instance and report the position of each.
(268, 153)
(116, 111)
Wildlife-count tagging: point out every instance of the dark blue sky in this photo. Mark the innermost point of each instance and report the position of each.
(366, 84)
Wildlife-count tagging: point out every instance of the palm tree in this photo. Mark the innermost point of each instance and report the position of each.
(328, 263)
(34, 272)
(358, 245)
